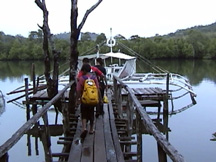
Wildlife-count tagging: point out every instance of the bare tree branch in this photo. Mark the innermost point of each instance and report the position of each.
(87, 13)
(51, 82)
(40, 5)
(45, 27)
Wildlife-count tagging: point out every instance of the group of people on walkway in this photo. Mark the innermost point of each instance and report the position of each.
(97, 74)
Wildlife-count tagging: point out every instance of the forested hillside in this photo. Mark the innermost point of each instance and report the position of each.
(198, 42)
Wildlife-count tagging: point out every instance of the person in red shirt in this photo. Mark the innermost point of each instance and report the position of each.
(93, 69)
(87, 111)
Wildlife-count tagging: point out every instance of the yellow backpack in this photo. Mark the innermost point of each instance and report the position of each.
(90, 92)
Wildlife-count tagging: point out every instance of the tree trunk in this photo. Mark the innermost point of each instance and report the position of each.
(73, 55)
(75, 31)
(52, 84)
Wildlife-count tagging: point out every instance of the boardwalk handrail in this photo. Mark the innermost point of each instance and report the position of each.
(26, 126)
(149, 125)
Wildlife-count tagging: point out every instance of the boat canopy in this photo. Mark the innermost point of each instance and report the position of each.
(119, 55)
(110, 54)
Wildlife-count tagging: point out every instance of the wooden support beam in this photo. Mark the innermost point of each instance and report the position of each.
(60, 154)
(26, 126)
(151, 128)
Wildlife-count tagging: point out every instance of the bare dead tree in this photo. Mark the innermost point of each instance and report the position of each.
(52, 83)
(75, 32)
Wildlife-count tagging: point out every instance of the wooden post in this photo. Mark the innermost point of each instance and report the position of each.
(36, 146)
(4, 158)
(130, 114)
(166, 107)
(46, 139)
(35, 87)
(139, 137)
(119, 100)
(29, 144)
(27, 100)
(115, 88)
(162, 157)
(33, 78)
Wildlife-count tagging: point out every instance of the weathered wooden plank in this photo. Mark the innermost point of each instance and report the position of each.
(99, 147)
(87, 148)
(76, 146)
(59, 154)
(119, 154)
(110, 150)
(38, 94)
(139, 91)
(159, 90)
(149, 91)
(147, 103)
(44, 95)
(147, 122)
(144, 91)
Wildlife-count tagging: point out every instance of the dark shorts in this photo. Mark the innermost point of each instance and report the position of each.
(87, 112)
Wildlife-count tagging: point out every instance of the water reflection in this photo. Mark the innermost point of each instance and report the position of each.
(2, 103)
(18, 69)
(213, 137)
(195, 70)
(39, 132)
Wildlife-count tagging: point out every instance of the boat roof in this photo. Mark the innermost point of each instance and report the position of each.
(119, 55)
(110, 54)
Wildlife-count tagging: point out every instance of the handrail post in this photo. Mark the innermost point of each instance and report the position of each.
(130, 114)
(27, 100)
(46, 138)
(119, 100)
(139, 136)
(166, 107)
(115, 87)
(118, 95)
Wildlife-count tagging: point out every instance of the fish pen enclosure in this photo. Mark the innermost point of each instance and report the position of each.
(132, 119)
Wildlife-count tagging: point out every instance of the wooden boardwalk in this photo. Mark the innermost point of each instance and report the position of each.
(118, 134)
(111, 140)
(101, 146)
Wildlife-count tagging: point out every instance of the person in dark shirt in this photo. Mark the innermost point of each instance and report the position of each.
(93, 69)
(102, 85)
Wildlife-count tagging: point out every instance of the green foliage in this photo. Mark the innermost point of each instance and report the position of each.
(86, 36)
(195, 43)
(101, 38)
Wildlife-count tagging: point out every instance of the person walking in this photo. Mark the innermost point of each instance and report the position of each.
(94, 69)
(87, 111)
(102, 84)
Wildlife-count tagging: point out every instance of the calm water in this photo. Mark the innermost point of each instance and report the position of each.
(191, 130)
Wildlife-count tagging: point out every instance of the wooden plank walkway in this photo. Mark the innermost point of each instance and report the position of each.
(108, 143)
(155, 93)
(114, 131)
(101, 146)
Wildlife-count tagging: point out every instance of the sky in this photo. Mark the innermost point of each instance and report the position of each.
(144, 18)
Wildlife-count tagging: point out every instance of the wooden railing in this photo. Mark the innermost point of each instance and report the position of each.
(25, 127)
(134, 108)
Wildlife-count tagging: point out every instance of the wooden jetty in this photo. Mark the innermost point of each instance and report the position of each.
(118, 134)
